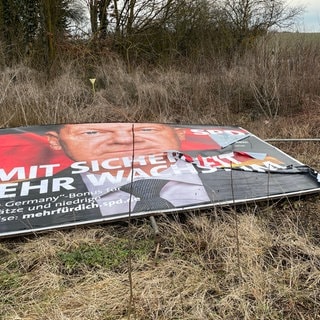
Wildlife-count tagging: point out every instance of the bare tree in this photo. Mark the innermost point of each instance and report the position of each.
(249, 18)
(99, 20)
(123, 17)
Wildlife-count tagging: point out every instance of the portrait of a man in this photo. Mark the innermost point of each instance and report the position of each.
(119, 154)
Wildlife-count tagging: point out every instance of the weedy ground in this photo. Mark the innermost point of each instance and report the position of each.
(259, 261)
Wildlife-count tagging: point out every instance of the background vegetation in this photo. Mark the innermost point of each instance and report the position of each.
(260, 261)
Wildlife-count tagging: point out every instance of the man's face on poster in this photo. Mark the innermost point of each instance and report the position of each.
(101, 141)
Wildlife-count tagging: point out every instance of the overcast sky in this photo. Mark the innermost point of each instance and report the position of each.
(310, 20)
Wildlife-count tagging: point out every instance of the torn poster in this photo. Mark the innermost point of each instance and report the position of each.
(58, 176)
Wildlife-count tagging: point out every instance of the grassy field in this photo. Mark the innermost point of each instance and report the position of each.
(260, 261)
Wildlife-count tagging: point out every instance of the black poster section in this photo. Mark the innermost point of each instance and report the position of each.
(71, 174)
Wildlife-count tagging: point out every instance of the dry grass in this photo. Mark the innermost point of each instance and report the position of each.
(258, 262)
(196, 275)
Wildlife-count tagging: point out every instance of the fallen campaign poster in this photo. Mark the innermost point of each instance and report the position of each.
(59, 176)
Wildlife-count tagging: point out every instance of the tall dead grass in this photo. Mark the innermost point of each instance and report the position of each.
(258, 262)
(278, 79)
